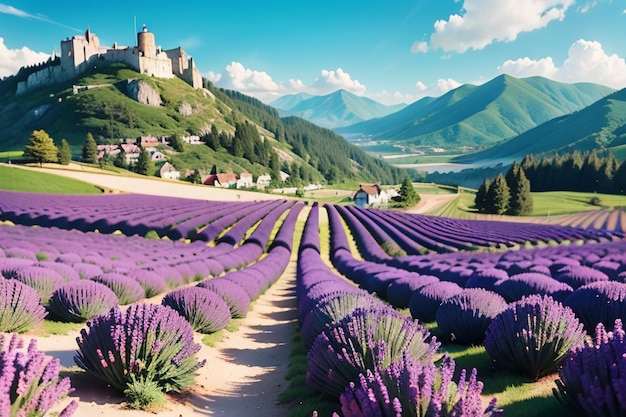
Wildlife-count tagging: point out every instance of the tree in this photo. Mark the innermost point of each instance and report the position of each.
(177, 143)
(407, 195)
(480, 201)
(520, 200)
(498, 196)
(64, 154)
(90, 150)
(41, 147)
(145, 166)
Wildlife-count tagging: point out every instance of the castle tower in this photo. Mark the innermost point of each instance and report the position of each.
(146, 44)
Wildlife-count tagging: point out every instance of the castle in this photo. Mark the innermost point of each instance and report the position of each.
(81, 52)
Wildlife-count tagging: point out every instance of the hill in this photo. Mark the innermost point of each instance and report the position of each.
(337, 109)
(100, 105)
(601, 125)
(475, 117)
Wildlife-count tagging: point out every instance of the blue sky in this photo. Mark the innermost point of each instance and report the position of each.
(391, 51)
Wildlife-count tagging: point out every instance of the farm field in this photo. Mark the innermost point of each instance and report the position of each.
(285, 276)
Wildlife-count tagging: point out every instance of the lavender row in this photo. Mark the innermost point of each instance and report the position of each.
(367, 354)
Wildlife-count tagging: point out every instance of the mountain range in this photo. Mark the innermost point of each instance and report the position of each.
(471, 117)
(338, 109)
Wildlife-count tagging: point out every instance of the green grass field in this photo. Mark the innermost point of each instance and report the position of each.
(17, 179)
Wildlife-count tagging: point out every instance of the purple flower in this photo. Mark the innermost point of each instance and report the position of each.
(19, 306)
(204, 309)
(77, 301)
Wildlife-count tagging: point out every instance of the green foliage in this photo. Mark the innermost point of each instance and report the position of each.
(408, 197)
(498, 196)
(152, 235)
(64, 154)
(177, 143)
(145, 166)
(41, 147)
(143, 394)
(90, 150)
(520, 201)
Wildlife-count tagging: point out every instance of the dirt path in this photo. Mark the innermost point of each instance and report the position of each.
(244, 374)
(430, 202)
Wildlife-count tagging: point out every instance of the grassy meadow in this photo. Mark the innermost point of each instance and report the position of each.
(17, 179)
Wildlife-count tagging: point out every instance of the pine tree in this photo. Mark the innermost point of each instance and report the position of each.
(408, 196)
(480, 201)
(41, 147)
(90, 150)
(145, 166)
(520, 201)
(498, 196)
(64, 155)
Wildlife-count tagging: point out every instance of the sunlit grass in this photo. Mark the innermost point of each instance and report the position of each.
(18, 179)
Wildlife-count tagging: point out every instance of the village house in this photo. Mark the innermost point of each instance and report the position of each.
(263, 181)
(168, 171)
(157, 155)
(370, 196)
(111, 150)
(131, 152)
(284, 176)
(245, 180)
(192, 140)
(149, 143)
(228, 180)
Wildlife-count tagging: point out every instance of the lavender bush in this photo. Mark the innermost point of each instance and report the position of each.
(29, 381)
(125, 288)
(365, 339)
(205, 310)
(42, 280)
(598, 302)
(410, 388)
(533, 335)
(593, 377)
(78, 301)
(19, 307)
(237, 299)
(464, 318)
(425, 301)
(149, 346)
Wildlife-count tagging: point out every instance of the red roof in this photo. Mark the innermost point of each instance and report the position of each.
(373, 189)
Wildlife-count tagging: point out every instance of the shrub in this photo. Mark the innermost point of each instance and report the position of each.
(237, 299)
(593, 376)
(151, 282)
(146, 345)
(366, 339)
(533, 335)
(577, 276)
(205, 310)
(331, 310)
(410, 388)
(78, 301)
(30, 380)
(126, 289)
(19, 307)
(42, 280)
(598, 302)
(530, 283)
(400, 291)
(464, 318)
(425, 301)
(66, 271)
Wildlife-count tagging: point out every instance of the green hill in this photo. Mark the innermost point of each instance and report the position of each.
(474, 117)
(109, 114)
(601, 125)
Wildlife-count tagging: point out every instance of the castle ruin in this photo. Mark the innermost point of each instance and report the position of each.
(81, 52)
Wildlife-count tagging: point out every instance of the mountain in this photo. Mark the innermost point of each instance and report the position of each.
(602, 125)
(473, 117)
(337, 109)
(99, 102)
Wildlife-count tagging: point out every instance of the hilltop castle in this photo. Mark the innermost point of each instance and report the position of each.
(81, 52)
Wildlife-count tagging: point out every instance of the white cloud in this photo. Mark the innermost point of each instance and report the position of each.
(212, 76)
(483, 22)
(243, 79)
(526, 67)
(334, 80)
(11, 60)
(10, 10)
(588, 6)
(418, 47)
(420, 86)
(586, 62)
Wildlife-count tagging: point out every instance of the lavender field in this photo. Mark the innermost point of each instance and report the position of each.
(385, 301)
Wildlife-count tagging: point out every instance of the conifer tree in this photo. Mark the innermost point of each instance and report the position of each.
(90, 150)
(408, 196)
(64, 155)
(498, 196)
(480, 201)
(41, 147)
(520, 201)
(145, 166)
